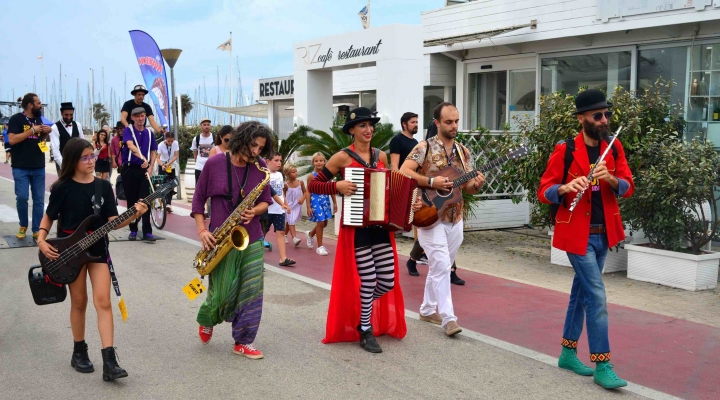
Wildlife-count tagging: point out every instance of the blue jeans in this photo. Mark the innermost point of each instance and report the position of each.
(587, 298)
(26, 180)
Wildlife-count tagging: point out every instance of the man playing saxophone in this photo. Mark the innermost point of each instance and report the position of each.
(235, 292)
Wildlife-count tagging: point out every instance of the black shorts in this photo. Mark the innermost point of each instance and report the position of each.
(365, 237)
(277, 221)
(7, 147)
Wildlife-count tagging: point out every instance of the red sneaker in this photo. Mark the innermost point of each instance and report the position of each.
(205, 334)
(248, 351)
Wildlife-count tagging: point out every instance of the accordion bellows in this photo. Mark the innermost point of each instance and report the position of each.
(384, 198)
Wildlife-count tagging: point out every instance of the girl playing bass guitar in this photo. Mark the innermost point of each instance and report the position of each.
(72, 199)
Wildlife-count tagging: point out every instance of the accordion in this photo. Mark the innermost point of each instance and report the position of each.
(384, 198)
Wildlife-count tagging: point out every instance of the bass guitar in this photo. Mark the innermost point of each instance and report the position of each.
(436, 202)
(73, 249)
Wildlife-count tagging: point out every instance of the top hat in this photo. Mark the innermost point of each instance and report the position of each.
(357, 116)
(138, 88)
(66, 106)
(591, 99)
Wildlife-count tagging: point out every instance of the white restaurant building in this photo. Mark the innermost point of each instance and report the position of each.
(493, 58)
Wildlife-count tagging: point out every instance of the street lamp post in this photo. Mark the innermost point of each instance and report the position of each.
(171, 56)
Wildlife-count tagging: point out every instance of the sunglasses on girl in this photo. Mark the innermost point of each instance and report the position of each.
(88, 159)
(226, 140)
(598, 116)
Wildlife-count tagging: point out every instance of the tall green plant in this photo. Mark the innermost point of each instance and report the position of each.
(289, 146)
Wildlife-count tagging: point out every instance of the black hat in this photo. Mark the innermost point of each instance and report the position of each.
(139, 88)
(357, 116)
(119, 124)
(66, 106)
(591, 99)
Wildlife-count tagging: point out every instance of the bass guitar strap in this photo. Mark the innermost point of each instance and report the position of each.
(96, 208)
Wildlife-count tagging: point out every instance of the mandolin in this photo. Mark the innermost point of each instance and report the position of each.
(436, 202)
(73, 249)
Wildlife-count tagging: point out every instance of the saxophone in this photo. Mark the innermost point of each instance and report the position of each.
(231, 234)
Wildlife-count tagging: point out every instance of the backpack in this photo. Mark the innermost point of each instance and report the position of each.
(197, 142)
(569, 148)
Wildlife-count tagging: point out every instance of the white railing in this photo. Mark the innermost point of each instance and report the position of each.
(494, 186)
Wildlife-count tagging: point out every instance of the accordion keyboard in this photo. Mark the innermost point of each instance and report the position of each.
(353, 205)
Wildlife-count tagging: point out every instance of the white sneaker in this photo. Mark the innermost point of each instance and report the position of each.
(423, 260)
(322, 251)
(296, 241)
(286, 239)
(310, 240)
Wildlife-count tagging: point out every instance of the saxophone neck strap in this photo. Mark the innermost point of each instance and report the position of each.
(229, 195)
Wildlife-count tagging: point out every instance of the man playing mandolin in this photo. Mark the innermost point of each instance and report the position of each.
(442, 240)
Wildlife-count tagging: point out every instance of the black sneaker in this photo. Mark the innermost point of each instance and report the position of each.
(412, 267)
(368, 342)
(132, 236)
(148, 238)
(455, 280)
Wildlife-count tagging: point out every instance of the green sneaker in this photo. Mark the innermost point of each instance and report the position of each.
(21, 232)
(605, 376)
(569, 361)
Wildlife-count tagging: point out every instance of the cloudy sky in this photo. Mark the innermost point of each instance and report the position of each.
(84, 34)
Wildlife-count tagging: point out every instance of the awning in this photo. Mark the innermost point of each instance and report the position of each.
(477, 36)
(259, 110)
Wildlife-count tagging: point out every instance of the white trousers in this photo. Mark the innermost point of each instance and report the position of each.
(441, 245)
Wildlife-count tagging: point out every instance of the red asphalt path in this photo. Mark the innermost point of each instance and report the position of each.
(666, 354)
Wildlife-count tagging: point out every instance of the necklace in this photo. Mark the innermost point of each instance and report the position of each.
(241, 185)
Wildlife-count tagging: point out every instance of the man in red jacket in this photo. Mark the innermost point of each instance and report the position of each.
(588, 232)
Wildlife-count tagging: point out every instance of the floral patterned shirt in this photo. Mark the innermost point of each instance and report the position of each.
(432, 162)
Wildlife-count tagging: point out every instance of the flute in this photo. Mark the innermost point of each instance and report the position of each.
(589, 177)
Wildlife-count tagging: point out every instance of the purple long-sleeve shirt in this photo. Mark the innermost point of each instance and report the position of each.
(213, 184)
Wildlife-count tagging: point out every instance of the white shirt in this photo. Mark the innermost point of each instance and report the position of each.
(55, 140)
(168, 153)
(206, 144)
(277, 183)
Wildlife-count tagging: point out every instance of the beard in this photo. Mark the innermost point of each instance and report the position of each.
(596, 132)
(67, 121)
(414, 130)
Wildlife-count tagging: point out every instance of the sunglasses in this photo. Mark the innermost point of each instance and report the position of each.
(226, 140)
(88, 159)
(598, 116)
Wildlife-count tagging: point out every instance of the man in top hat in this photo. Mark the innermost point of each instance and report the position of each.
(62, 131)
(588, 232)
(138, 93)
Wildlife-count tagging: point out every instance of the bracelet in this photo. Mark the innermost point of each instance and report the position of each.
(204, 230)
(430, 181)
(43, 229)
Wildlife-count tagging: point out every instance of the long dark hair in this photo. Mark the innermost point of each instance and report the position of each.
(244, 135)
(71, 156)
(222, 132)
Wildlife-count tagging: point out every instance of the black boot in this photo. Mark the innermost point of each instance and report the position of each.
(454, 279)
(412, 267)
(80, 359)
(111, 369)
(368, 342)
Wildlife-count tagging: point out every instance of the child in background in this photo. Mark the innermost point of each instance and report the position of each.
(277, 210)
(318, 207)
(294, 197)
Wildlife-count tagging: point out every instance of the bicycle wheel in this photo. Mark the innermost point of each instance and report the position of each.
(158, 213)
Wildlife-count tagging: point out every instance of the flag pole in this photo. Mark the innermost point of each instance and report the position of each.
(368, 14)
(231, 80)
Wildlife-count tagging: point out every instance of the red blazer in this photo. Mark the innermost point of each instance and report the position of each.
(572, 230)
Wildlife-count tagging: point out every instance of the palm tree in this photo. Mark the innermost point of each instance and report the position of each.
(287, 147)
(333, 142)
(100, 114)
(185, 106)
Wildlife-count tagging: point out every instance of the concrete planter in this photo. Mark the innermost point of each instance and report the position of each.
(670, 268)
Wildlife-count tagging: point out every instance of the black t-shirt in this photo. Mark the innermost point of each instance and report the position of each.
(73, 201)
(403, 145)
(597, 216)
(131, 105)
(26, 154)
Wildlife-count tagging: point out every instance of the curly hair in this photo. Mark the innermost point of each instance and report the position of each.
(244, 136)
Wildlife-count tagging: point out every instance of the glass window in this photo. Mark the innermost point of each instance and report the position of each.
(488, 100)
(522, 96)
(369, 100)
(596, 71)
(668, 64)
(433, 96)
